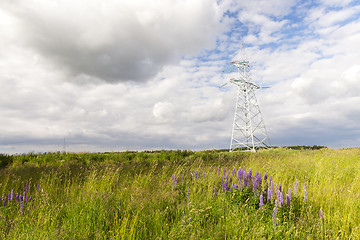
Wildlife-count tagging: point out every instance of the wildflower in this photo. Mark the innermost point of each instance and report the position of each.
(27, 187)
(204, 175)
(215, 192)
(240, 174)
(183, 218)
(265, 176)
(17, 197)
(234, 172)
(274, 215)
(4, 201)
(12, 195)
(269, 195)
(296, 186)
(289, 192)
(257, 181)
(249, 177)
(261, 199)
(196, 175)
(288, 200)
(188, 193)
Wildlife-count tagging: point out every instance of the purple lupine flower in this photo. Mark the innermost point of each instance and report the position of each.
(4, 201)
(280, 197)
(17, 197)
(240, 174)
(266, 190)
(224, 171)
(305, 193)
(289, 192)
(261, 199)
(21, 198)
(30, 198)
(37, 187)
(274, 215)
(215, 192)
(268, 195)
(204, 175)
(188, 194)
(280, 189)
(9, 197)
(288, 200)
(296, 186)
(12, 195)
(234, 172)
(235, 186)
(265, 176)
(196, 175)
(27, 187)
(225, 184)
(321, 214)
(249, 176)
(257, 181)
(272, 189)
(244, 180)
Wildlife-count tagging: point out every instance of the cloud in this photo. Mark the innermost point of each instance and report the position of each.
(116, 41)
(173, 52)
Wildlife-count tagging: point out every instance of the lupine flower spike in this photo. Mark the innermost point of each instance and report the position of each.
(296, 186)
(215, 192)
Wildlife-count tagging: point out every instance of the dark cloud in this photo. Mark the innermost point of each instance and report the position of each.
(117, 41)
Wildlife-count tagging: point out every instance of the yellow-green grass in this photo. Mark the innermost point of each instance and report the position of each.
(132, 196)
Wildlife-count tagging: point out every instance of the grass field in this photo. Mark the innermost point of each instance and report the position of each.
(181, 195)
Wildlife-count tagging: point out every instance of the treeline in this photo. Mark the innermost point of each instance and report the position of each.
(126, 156)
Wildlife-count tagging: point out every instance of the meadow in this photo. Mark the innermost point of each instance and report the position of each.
(271, 194)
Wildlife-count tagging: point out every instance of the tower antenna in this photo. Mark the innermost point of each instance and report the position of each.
(248, 131)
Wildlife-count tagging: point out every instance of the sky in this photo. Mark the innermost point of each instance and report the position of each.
(95, 76)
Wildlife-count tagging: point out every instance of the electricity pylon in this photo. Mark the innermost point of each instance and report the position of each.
(248, 132)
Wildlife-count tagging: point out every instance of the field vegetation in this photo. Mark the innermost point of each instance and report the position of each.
(271, 194)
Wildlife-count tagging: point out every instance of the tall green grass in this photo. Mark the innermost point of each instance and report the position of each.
(131, 195)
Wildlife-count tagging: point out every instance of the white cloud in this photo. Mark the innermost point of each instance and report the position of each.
(48, 46)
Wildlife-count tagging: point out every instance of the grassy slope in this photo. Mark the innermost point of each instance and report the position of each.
(131, 195)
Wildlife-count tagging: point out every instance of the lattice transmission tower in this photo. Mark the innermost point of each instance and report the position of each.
(248, 132)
